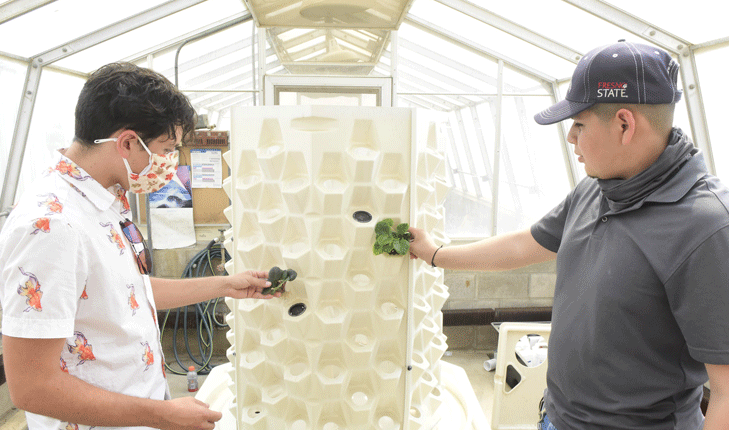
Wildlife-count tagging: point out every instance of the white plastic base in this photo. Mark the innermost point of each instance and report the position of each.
(215, 392)
(460, 409)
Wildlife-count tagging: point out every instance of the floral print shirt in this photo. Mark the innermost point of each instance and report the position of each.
(68, 271)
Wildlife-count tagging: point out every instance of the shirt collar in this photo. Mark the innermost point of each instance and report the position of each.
(682, 181)
(90, 188)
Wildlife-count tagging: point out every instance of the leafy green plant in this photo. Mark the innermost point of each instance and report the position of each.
(278, 278)
(389, 240)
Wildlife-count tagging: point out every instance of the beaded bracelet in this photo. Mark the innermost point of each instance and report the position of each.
(432, 260)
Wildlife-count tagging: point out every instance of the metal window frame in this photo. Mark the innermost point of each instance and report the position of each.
(276, 83)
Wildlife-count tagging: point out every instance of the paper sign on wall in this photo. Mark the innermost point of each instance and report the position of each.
(207, 168)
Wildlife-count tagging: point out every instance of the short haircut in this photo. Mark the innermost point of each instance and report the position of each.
(124, 95)
(660, 116)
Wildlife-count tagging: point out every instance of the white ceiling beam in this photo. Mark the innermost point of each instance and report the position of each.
(633, 24)
(16, 8)
(711, 44)
(514, 29)
(111, 31)
(63, 70)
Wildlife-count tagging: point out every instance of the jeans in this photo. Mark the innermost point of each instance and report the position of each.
(545, 424)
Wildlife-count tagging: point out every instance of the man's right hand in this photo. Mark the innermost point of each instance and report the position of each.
(188, 413)
(421, 245)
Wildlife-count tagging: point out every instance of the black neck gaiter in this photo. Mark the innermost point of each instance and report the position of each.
(624, 193)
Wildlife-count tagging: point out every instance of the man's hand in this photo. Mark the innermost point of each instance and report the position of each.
(248, 285)
(421, 245)
(188, 413)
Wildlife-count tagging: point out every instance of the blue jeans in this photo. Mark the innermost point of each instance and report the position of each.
(546, 424)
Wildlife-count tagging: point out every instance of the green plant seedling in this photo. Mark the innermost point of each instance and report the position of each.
(278, 278)
(389, 241)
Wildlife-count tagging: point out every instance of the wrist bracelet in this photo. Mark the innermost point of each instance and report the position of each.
(432, 260)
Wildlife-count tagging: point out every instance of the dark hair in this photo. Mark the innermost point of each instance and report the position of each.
(660, 117)
(124, 95)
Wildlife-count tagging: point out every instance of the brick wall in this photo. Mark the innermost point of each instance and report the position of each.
(529, 286)
(526, 287)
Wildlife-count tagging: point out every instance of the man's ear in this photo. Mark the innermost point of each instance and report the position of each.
(124, 142)
(626, 120)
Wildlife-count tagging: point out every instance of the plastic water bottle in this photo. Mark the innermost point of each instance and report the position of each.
(192, 379)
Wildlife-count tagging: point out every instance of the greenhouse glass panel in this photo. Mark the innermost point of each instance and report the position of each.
(152, 34)
(712, 72)
(233, 43)
(52, 126)
(497, 40)
(519, 82)
(696, 21)
(12, 78)
(472, 75)
(63, 21)
(561, 22)
(532, 174)
(217, 71)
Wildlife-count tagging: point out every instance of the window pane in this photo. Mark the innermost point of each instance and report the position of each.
(12, 79)
(52, 126)
(712, 73)
(152, 34)
(696, 21)
(62, 21)
(532, 177)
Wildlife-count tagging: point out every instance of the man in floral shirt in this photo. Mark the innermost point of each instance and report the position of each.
(81, 341)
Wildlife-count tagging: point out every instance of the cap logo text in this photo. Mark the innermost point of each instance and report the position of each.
(612, 89)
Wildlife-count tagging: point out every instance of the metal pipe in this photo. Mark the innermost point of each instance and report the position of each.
(207, 33)
(474, 317)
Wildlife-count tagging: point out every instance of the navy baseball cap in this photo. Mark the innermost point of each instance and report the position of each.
(624, 72)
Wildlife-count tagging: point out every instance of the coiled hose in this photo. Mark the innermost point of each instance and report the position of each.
(200, 265)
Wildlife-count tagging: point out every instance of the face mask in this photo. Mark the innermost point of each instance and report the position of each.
(158, 173)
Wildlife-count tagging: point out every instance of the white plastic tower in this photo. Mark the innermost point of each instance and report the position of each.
(355, 343)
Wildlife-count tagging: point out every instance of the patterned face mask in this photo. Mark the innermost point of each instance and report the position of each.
(158, 173)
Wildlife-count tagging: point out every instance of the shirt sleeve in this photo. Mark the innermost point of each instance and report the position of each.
(698, 292)
(42, 277)
(548, 230)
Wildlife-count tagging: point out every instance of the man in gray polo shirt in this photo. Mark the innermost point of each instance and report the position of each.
(641, 307)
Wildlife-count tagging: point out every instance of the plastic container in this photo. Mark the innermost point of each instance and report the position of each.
(192, 384)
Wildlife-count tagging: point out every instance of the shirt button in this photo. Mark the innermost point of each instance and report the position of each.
(604, 219)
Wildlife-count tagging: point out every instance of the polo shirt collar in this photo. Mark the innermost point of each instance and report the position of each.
(89, 187)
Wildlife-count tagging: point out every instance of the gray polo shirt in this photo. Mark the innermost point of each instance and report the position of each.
(641, 302)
